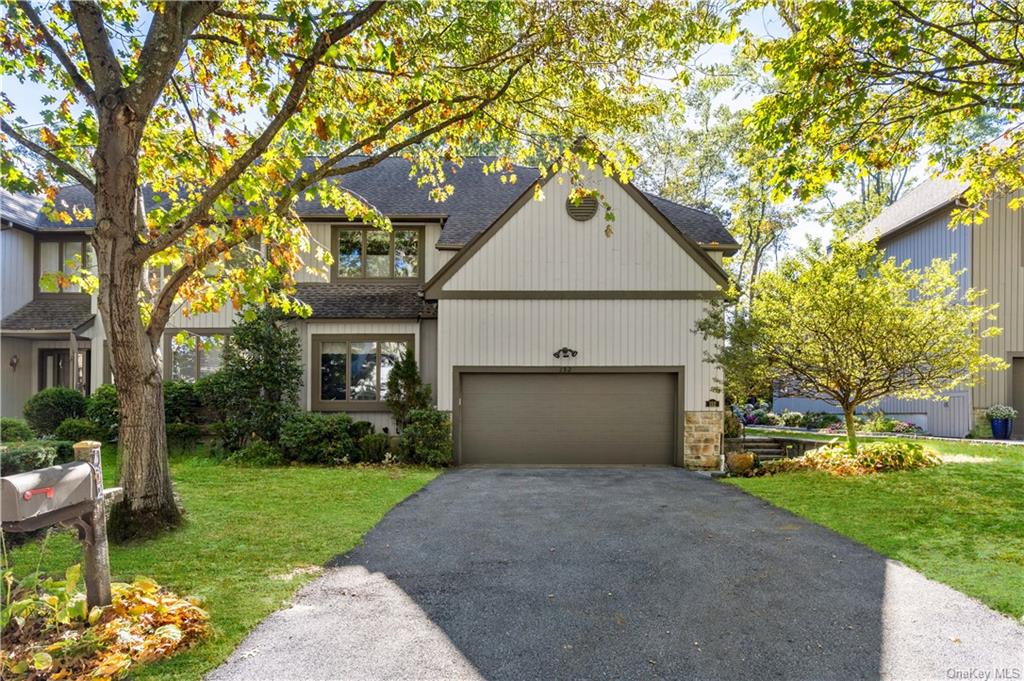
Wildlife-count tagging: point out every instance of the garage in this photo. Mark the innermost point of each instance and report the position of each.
(578, 418)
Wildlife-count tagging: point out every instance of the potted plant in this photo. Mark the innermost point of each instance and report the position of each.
(1001, 417)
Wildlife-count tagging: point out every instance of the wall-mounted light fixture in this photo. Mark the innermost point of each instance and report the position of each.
(13, 363)
(565, 353)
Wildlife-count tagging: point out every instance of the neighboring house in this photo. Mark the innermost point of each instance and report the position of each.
(916, 228)
(548, 341)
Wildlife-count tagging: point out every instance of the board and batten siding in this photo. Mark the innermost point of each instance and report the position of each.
(998, 268)
(612, 333)
(17, 262)
(541, 248)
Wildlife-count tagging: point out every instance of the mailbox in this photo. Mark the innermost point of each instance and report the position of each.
(46, 496)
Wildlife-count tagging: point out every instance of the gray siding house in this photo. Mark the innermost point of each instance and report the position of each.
(917, 228)
(549, 341)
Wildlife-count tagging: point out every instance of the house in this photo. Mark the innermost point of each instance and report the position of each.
(917, 228)
(549, 341)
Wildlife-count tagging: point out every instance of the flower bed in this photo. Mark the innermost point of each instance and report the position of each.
(872, 457)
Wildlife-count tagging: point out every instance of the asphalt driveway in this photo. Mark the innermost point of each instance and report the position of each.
(617, 573)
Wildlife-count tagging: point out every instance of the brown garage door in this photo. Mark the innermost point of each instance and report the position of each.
(578, 418)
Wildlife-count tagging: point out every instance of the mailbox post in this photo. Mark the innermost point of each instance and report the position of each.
(97, 558)
(69, 494)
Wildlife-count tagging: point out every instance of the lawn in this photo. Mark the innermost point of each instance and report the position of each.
(961, 523)
(248, 535)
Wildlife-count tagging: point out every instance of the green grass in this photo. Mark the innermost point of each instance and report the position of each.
(246, 530)
(961, 523)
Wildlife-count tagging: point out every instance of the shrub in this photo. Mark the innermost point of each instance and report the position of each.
(213, 392)
(49, 407)
(406, 391)
(792, 419)
(733, 427)
(258, 453)
(14, 430)
(873, 457)
(180, 402)
(816, 420)
(311, 437)
(183, 435)
(103, 410)
(19, 457)
(427, 438)
(373, 448)
(360, 429)
(1000, 411)
(76, 430)
(740, 463)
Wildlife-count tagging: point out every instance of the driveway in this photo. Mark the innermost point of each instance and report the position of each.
(617, 573)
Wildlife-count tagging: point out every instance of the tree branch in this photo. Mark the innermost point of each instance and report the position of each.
(50, 157)
(58, 50)
(107, 72)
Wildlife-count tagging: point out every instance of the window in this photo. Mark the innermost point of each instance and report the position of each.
(373, 254)
(63, 256)
(197, 355)
(352, 371)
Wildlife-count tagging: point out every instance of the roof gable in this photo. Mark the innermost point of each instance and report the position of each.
(535, 247)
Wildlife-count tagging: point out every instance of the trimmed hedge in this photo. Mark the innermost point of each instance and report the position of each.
(14, 430)
(76, 430)
(311, 437)
(103, 410)
(427, 438)
(49, 407)
(19, 457)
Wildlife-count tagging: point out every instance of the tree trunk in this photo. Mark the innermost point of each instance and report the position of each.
(148, 506)
(851, 430)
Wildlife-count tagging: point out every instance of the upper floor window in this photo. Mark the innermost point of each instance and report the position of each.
(365, 253)
(62, 255)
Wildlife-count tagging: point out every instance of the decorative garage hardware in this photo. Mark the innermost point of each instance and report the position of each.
(69, 494)
(583, 209)
(565, 353)
(711, 403)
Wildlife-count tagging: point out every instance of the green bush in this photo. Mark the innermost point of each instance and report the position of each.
(49, 407)
(733, 426)
(406, 391)
(213, 392)
(793, 419)
(360, 429)
(183, 435)
(103, 410)
(311, 437)
(373, 448)
(816, 420)
(427, 438)
(180, 402)
(14, 430)
(19, 457)
(76, 430)
(257, 453)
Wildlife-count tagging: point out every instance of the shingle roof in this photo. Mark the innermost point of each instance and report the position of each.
(21, 209)
(50, 313)
(363, 301)
(923, 199)
(478, 200)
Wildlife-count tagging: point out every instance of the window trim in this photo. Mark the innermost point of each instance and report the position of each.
(336, 230)
(315, 341)
(37, 266)
(169, 335)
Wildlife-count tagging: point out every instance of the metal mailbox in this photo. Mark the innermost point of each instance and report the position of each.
(46, 496)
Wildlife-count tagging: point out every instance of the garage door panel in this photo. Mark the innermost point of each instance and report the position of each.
(578, 418)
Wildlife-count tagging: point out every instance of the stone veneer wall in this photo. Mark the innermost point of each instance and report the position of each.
(702, 439)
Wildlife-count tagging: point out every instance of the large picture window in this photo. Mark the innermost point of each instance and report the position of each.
(350, 372)
(363, 253)
(198, 354)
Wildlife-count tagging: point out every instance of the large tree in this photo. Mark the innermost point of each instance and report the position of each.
(214, 105)
(851, 326)
(875, 85)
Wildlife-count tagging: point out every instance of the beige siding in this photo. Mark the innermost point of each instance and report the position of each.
(320, 237)
(614, 333)
(221, 319)
(542, 248)
(17, 260)
(18, 383)
(998, 267)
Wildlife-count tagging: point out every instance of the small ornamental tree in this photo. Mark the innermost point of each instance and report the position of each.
(406, 391)
(852, 326)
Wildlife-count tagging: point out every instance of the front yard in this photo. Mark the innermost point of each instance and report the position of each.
(251, 538)
(961, 523)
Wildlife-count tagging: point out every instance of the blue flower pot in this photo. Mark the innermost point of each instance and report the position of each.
(1002, 429)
